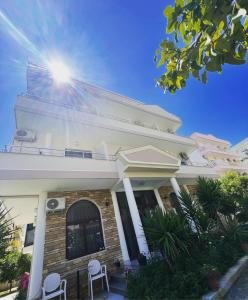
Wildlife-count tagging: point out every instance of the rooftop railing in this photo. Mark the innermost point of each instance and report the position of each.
(75, 153)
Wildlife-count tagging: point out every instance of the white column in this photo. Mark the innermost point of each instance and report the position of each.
(186, 188)
(138, 228)
(175, 186)
(160, 202)
(121, 234)
(35, 284)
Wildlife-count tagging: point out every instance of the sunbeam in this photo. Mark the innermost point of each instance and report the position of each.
(22, 40)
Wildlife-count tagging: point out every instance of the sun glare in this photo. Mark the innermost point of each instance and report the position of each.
(60, 72)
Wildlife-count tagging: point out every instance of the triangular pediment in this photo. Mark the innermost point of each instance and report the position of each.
(149, 155)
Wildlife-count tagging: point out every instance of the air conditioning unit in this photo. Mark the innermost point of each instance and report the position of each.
(55, 204)
(25, 135)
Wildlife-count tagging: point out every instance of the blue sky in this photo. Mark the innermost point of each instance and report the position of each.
(112, 43)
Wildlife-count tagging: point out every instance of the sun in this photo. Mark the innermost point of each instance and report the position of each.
(60, 72)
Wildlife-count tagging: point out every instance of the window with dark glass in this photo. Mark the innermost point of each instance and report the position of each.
(29, 238)
(83, 230)
(78, 153)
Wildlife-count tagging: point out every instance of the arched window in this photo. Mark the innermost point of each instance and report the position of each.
(83, 230)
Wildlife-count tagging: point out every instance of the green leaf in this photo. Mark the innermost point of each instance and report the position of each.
(162, 59)
(169, 10)
(246, 23)
(180, 3)
(218, 31)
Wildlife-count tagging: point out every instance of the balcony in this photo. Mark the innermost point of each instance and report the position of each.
(76, 153)
(92, 110)
(21, 162)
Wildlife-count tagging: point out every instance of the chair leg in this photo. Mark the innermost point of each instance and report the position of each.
(102, 284)
(106, 277)
(64, 295)
(88, 288)
(91, 289)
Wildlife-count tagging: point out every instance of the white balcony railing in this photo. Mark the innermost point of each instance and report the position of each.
(55, 152)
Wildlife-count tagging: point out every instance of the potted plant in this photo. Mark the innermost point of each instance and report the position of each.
(211, 274)
(142, 259)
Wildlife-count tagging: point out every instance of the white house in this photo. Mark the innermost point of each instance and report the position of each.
(241, 149)
(218, 153)
(102, 159)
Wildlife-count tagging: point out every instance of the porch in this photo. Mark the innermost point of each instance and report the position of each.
(139, 179)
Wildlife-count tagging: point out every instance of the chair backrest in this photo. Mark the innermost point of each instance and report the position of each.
(52, 282)
(94, 267)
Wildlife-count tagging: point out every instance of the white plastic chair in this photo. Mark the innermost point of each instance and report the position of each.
(53, 286)
(96, 271)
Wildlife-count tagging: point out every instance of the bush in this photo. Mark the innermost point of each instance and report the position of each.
(24, 263)
(168, 233)
(214, 241)
(9, 268)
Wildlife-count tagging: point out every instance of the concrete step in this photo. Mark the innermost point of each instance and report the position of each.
(118, 287)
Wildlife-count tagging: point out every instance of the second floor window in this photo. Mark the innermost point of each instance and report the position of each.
(78, 153)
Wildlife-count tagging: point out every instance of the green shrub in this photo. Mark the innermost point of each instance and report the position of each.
(24, 263)
(214, 241)
(169, 233)
(9, 268)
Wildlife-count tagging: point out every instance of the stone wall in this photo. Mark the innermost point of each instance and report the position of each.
(165, 191)
(55, 239)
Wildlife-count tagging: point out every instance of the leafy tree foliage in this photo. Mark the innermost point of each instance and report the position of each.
(206, 35)
(235, 185)
(24, 263)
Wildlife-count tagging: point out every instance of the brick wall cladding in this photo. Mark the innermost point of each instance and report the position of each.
(165, 191)
(55, 239)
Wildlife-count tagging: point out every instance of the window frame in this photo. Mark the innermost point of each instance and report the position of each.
(26, 244)
(84, 224)
(77, 153)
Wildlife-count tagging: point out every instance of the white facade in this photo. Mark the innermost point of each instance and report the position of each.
(241, 149)
(218, 153)
(78, 136)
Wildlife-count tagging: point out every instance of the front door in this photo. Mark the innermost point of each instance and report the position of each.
(146, 201)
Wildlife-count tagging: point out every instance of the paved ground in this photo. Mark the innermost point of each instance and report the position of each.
(102, 296)
(108, 296)
(239, 291)
(9, 297)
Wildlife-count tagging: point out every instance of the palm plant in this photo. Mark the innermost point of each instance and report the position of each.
(167, 232)
(6, 230)
(235, 231)
(193, 213)
(210, 196)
